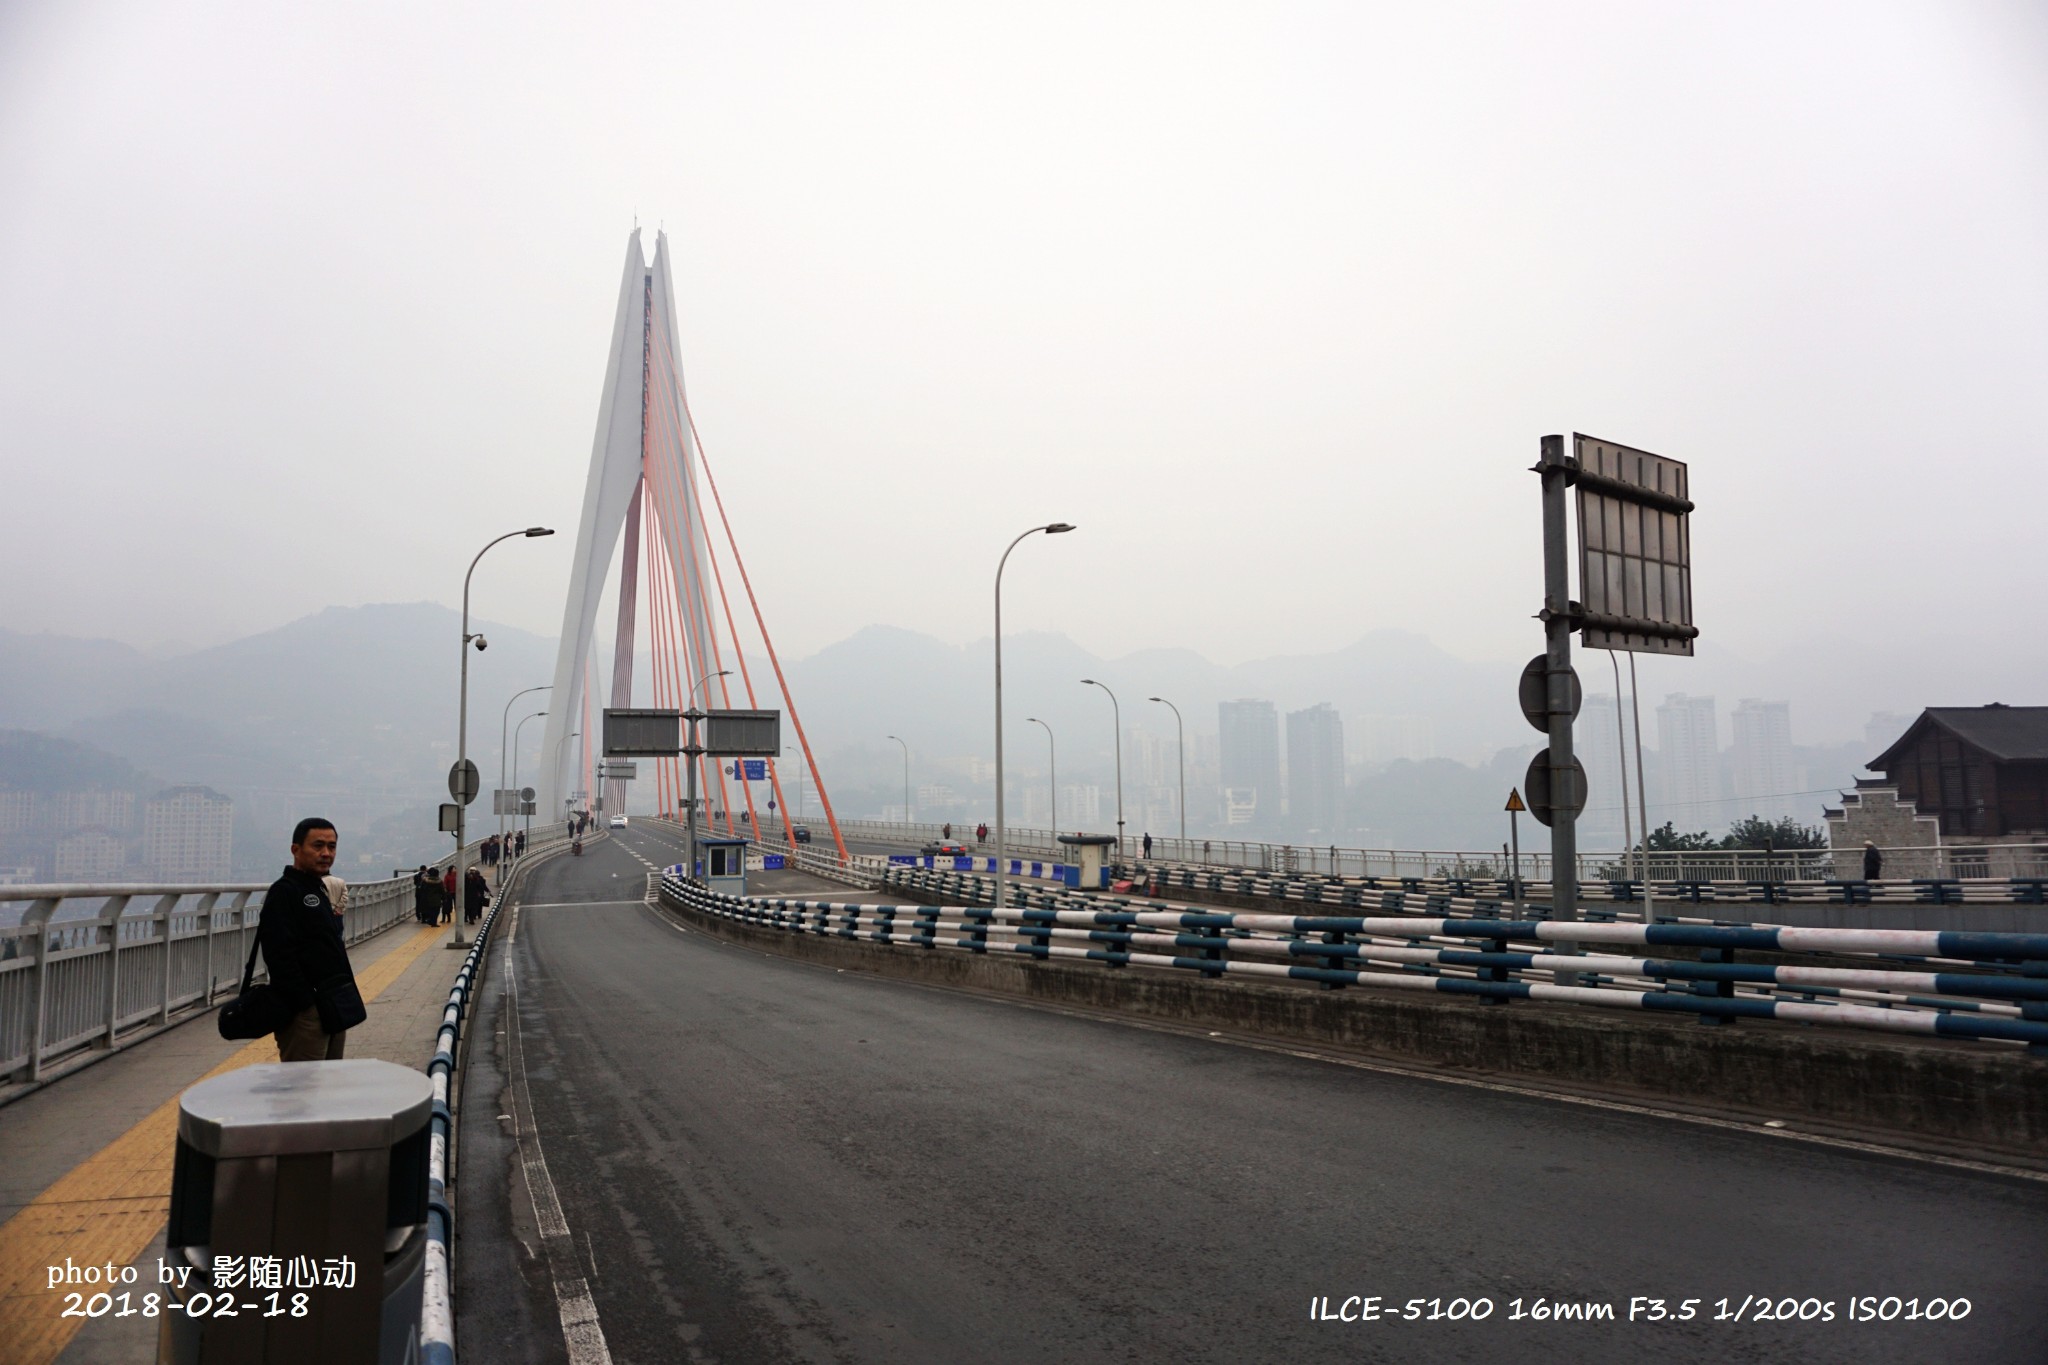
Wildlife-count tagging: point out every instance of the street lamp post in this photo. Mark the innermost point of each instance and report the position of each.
(1002, 852)
(502, 718)
(462, 726)
(515, 763)
(906, 779)
(1116, 714)
(1180, 749)
(1052, 764)
(692, 753)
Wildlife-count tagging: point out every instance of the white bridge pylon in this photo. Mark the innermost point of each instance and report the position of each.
(643, 491)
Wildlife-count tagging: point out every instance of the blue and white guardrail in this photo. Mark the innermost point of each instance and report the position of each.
(1019, 867)
(2000, 995)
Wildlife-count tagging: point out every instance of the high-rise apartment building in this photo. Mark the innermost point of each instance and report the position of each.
(1689, 747)
(90, 855)
(1315, 773)
(1597, 746)
(188, 835)
(1761, 766)
(1249, 735)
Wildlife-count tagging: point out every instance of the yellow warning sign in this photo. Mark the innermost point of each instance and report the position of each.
(1515, 799)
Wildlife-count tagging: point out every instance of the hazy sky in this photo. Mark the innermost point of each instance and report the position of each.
(300, 304)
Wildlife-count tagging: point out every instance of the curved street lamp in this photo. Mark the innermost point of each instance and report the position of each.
(1117, 719)
(1002, 853)
(462, 720)
(502, 718)
(515, 764)
(1180, 749)
(1052, 764)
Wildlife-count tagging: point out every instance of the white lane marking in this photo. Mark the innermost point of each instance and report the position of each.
(571, 905)
(582, 1334)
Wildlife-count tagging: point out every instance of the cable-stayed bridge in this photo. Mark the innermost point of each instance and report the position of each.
(859, 1110)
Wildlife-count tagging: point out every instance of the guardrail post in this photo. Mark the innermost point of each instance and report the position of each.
(166, 908)
(110, 920)
(1334, 936)
(1494, 945)
(39, 915)
(1715, 989)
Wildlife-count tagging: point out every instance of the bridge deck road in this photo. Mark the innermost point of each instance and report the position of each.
(762, 1160)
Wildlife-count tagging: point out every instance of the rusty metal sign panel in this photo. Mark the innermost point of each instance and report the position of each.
(743, 734)
(1635, 549)
(643, 732)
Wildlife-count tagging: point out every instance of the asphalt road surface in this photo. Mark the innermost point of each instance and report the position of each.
(761, 1160)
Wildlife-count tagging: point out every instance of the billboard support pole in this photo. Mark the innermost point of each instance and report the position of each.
(692, 752)
(1557, 619)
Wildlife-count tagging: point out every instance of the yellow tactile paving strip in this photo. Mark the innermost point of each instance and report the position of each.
(110, 1206)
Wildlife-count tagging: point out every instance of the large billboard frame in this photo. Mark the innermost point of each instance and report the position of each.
(742, 734)
(642, 732)
(1635, 548)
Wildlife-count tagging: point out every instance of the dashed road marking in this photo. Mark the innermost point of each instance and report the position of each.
(582, 1333)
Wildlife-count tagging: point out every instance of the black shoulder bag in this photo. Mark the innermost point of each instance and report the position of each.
(258, 1010)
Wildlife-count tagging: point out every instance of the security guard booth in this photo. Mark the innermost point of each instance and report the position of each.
(725, 865)
(1087, 860)
(299, 1216)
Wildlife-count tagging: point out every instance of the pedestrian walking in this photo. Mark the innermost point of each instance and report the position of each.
(426, 896)
(304, 952)
(1873, 861)
(448, 894)
(1148, 843)
(946, 830)
(476, 895)
(519, 845)
(981, 833)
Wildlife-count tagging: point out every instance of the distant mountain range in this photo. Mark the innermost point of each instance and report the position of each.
(353, 709)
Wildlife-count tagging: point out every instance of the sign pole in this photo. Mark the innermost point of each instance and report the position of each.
(1557, 640)
(691, 754)
(1515, 808)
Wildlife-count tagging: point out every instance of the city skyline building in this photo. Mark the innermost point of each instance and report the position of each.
(1315, 772)
(1598, 748)
(1762, 770)
(1248, 735)
(188, 834)
(1689, 746)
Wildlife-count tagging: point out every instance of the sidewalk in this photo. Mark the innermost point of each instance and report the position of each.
(85, 1164)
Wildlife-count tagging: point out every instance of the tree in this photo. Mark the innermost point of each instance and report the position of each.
(1780, 834)
(1664, 839)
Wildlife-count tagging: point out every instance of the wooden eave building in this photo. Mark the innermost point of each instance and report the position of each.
(1981, 770)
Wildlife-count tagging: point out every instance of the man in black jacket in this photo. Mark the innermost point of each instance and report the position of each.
(303, 948)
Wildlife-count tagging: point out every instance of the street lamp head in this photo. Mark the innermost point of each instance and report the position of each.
(1155, 699)
(539, 531)
(1090, 682)
(1057, 527)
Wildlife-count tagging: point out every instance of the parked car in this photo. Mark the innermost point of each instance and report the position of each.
(802, 834)
(944, 848)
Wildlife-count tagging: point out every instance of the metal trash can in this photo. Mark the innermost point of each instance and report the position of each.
(298, 1217)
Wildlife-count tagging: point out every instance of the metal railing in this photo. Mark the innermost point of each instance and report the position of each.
(2016, 858)
(87, 964)
(1978, 986)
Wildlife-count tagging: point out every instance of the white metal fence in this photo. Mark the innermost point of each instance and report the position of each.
(1968, 861)
(86, 964)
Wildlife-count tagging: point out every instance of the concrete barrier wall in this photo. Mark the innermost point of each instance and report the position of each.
(1992, 1100)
